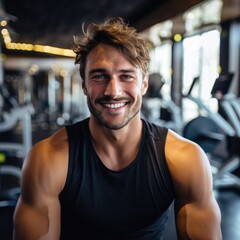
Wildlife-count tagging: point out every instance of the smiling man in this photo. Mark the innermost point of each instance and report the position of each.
(114, 87)
(114, 175)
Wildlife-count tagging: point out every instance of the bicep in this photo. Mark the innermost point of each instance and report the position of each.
(37, 214)
(197, 212)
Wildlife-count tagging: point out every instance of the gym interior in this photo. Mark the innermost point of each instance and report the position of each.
(194, 84)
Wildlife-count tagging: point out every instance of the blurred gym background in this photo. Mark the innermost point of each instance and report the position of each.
(194, 83)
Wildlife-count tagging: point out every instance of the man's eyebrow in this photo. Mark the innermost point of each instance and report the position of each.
(103, 70)
(95, 70)
(127, 71)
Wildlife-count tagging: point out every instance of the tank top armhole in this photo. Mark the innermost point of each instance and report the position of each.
(169, 180)
(74, 141)
(158, 135)
(69, 166)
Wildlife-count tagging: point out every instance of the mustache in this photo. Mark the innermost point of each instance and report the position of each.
(110, 99)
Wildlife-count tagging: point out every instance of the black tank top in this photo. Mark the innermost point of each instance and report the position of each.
(98, 203)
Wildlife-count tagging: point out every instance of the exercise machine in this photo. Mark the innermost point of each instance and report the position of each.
(16, 114)
(229, 108)
(9, 119)
(158, 110)
(211, 129)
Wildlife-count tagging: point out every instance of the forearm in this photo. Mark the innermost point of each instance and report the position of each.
(198, 233)
(32, 224)
(199, 224)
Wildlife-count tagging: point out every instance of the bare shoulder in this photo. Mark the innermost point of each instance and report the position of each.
(54, 145)
(47, 162)
(181, 149)
(188, 164)
(196, 210)
(43, 177)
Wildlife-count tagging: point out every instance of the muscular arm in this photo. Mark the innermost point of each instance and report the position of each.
(196, 210)
(37, 214)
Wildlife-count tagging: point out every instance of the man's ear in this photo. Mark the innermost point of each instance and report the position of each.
(145, 84)
(84, 87)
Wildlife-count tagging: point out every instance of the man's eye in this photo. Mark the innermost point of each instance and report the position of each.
(99, 77)
(126, 77)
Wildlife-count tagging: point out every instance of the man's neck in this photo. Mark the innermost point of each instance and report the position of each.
(131, 130)
(117, 148)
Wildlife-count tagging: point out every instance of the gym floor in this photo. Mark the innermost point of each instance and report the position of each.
(228, 200)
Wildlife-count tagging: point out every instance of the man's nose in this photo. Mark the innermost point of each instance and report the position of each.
(113, 88)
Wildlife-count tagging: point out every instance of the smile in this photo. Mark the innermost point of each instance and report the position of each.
(114, 105)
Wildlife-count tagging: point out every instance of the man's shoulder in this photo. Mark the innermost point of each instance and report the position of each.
(185, 158)
(54, 141)
(51, 149)
(48, 159)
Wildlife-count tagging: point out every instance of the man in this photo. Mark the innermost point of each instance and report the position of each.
(114, 175)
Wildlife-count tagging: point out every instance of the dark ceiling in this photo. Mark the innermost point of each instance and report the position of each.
(54, 22)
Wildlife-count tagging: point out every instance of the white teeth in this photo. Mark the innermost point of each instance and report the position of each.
(116, 105)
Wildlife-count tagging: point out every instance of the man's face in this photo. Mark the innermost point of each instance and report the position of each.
(113, 86)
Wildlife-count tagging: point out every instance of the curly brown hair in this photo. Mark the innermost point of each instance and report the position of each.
(117, 33)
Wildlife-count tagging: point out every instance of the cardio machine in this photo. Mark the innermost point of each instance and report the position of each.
(15, 114)
(157, 109)
(212, 129)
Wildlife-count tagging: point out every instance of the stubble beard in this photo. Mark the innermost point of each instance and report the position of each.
(112, 126)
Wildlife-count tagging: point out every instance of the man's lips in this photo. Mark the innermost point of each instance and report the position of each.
(114, 105)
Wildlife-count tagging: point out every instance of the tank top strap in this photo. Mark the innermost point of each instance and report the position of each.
(155, 143)
(77, 136)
